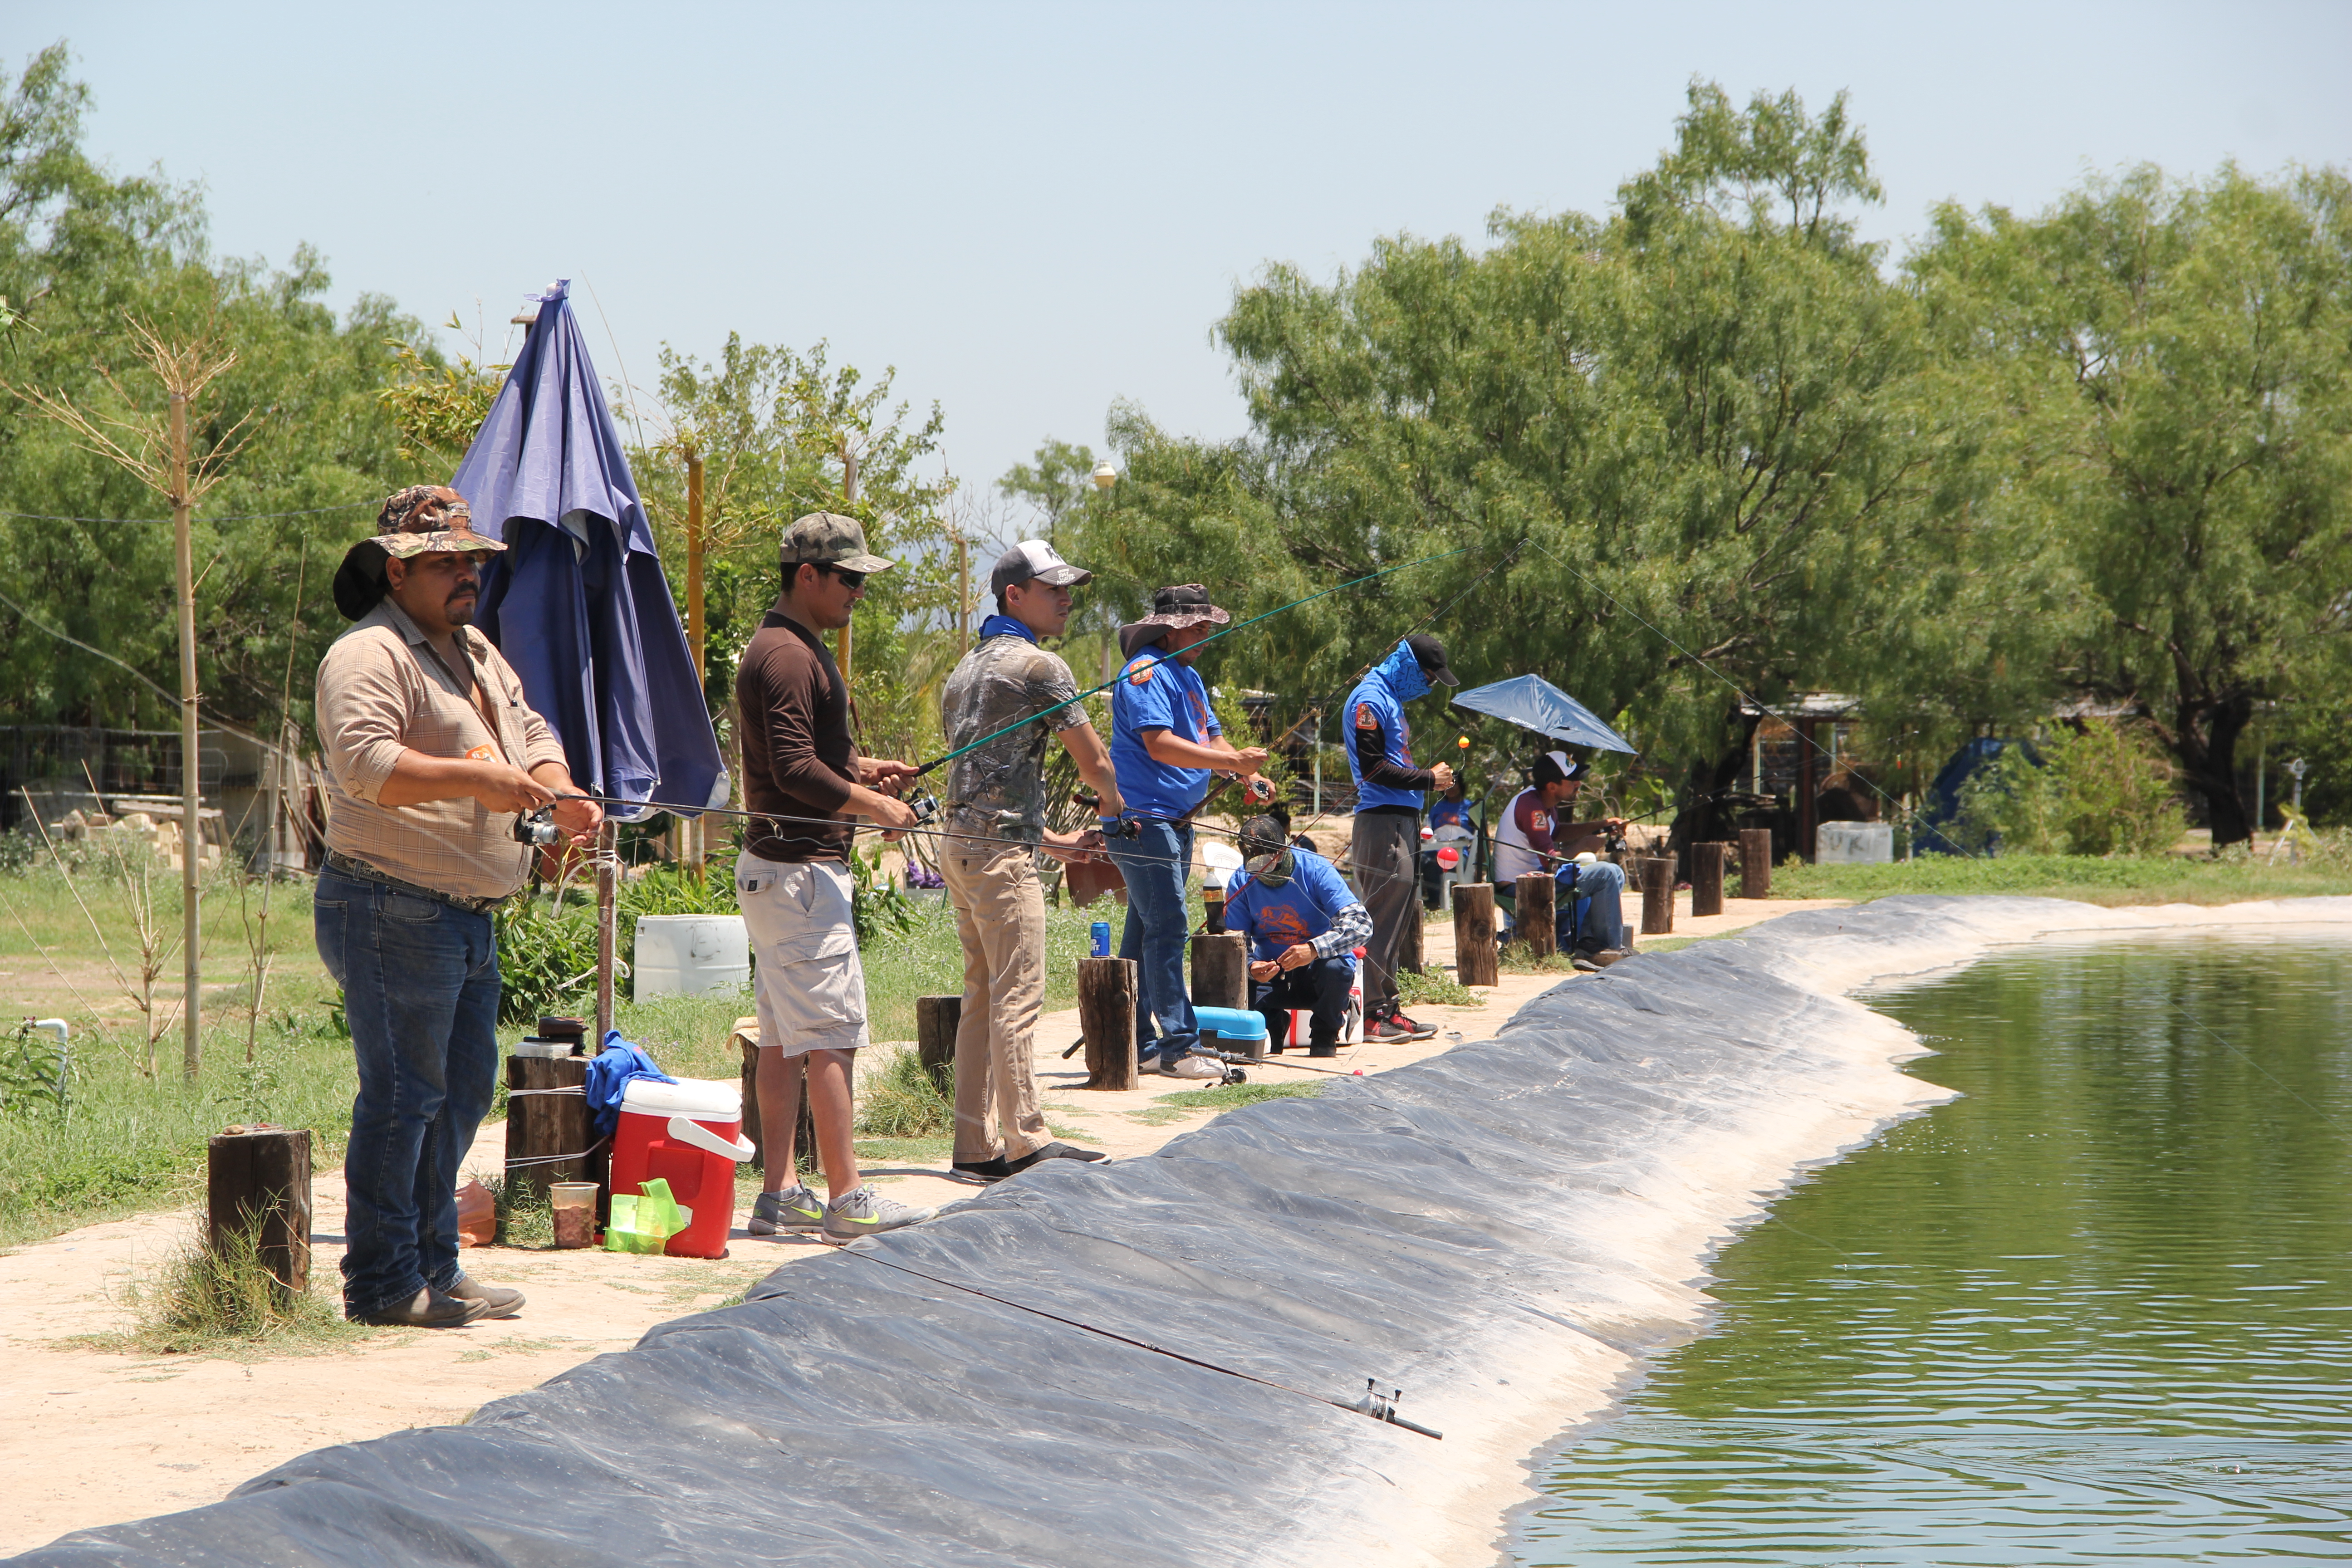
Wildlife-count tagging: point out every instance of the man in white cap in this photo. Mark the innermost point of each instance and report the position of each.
(1533, 838)
(1005, 697)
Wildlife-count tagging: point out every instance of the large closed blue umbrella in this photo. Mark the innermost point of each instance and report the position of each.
(1534, 703)
(577, 602)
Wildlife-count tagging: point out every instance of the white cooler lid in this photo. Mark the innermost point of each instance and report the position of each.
(700, 1097)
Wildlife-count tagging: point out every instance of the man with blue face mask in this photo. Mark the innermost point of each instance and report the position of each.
(1388, 793)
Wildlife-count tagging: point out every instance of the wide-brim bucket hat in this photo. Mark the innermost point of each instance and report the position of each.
(413, 522)
(1173, 609)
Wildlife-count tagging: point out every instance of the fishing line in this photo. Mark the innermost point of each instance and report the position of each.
(1237, 626)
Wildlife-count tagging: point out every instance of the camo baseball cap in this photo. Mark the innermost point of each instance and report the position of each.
(411, 522)
(829, 539)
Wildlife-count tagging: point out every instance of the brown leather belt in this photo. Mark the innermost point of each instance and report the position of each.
(338, 861)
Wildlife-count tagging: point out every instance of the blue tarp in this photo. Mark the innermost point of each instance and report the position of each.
(577, 603)
(1534, 703)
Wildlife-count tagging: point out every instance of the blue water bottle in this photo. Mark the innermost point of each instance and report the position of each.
(1102, 938)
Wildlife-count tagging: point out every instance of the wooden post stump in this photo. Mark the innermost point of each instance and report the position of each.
(1755, 862)
(1657, 896)
(1706, 879)
(1221, 970)
(261, 1181)
(547, 1116)
(1536, 894)
(937, 1019)
(1107, 1014)
(1475, 959)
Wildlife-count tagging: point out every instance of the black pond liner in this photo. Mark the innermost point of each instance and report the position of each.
(1409, 1227)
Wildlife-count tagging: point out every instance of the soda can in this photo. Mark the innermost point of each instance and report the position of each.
(1102, 938)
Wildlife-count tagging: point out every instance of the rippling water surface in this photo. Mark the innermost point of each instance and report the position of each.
(2099, 1311)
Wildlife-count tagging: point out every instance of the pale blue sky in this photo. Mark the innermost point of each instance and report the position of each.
(1032, 210)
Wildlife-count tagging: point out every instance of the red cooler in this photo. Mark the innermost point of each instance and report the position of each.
(690, 1134)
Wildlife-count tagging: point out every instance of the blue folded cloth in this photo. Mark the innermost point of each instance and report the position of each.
(610, 1072)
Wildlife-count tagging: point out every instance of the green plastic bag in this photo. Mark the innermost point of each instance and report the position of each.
(645, 1222)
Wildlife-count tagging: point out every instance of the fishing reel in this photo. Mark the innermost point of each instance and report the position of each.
(538, 829)
(1126, 827)
(924, 807)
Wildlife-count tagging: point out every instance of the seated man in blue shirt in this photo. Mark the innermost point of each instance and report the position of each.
(1304, 925)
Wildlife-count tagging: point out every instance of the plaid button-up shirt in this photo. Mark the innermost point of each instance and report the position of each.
(382, 690)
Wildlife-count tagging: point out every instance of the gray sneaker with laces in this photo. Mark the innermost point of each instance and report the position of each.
(795, 1208)
(862, 1211)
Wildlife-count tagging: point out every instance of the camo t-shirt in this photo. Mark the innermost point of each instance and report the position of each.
(999, 789)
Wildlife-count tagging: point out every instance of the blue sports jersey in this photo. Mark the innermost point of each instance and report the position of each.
(1155, 691)
(1379, 699)
(1278, 918)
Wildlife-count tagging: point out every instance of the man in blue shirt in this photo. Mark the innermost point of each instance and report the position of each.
(1165, 744)
(1389, 790)
(1304, 925)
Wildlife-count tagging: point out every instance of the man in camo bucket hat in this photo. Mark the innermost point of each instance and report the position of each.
(412, 521)
(433, 751)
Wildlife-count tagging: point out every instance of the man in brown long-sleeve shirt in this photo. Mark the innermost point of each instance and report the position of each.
(802, 776)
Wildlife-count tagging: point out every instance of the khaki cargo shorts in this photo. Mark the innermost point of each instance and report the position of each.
(810, 986)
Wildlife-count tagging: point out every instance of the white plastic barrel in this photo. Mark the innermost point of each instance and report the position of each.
(691, 955)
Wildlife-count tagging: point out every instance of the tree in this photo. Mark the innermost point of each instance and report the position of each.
(776, 428)
(81, 255)
(2168, 362)
(1688, 451)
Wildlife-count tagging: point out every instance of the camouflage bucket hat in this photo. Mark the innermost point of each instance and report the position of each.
(411, 522)
(829, 539)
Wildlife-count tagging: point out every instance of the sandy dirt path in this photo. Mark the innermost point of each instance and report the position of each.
(94, 1437)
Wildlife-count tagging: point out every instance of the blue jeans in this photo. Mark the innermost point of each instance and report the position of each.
(1158, 934)
(420, 984)
(1603, 925)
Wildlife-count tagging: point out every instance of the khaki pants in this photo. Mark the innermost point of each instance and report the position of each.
(1000, 912)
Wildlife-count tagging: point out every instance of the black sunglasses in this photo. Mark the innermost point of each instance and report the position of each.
(848, 579)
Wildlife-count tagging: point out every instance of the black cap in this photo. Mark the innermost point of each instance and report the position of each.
(1429, 654)
(1262, 835)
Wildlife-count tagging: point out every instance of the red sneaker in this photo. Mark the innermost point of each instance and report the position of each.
(1414, 1031)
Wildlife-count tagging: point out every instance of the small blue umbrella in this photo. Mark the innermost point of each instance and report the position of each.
(577, 602)
(1534, 703)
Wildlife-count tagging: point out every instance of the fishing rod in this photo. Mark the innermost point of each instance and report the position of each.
(1501, 561)
(1307, 599)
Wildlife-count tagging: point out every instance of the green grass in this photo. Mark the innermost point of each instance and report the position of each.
(1434, 988)
(130, 1143)
(2124, 880)
(224, 1303)
(1226, 1097)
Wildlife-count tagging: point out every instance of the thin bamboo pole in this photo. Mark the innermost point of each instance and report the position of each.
(191, 780)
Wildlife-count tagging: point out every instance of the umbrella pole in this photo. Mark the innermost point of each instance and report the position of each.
(608, 839)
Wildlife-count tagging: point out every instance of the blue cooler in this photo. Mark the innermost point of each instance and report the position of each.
(1235, 1029)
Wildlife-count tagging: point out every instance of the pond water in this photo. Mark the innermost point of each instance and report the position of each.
(2099, 1311)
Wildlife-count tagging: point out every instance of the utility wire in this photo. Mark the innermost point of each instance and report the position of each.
(234, 516)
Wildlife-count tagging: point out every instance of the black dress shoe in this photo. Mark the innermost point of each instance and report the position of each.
(429, 1309)
(1050, 1151)
(980, 1170)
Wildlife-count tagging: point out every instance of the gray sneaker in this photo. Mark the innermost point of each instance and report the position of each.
(795, 1208)
(1193, 1066)
(862, 1211)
